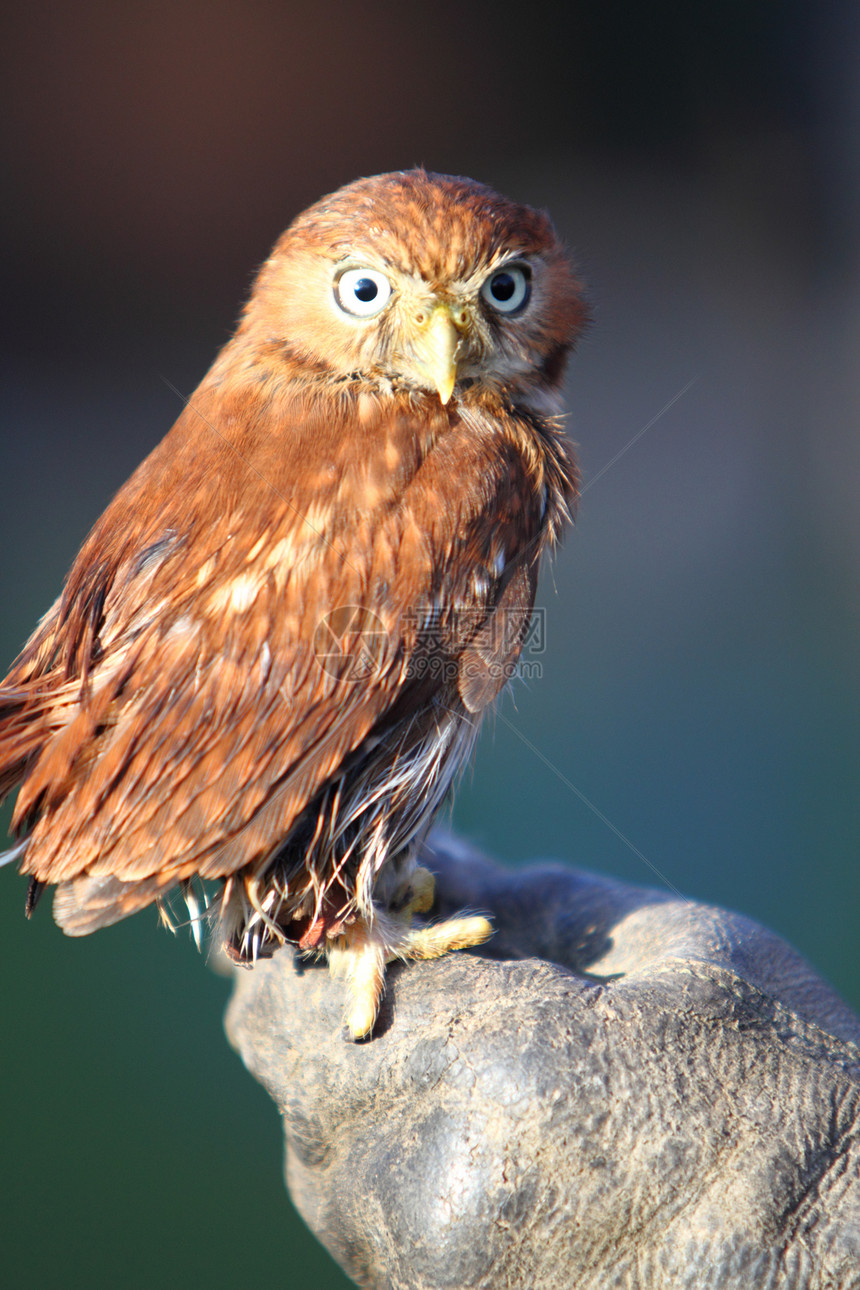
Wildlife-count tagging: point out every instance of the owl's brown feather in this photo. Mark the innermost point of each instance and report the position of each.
(176, 713)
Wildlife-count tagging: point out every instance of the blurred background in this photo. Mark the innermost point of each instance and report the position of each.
(700, 681)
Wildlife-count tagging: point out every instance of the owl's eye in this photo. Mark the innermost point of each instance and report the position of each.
(507, 290)
(362, 292)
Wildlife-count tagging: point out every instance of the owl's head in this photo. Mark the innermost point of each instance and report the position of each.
(420, 281)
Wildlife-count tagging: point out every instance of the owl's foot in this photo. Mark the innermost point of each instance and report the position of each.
(454, 934)
(359, 956)
(362, 952)
(419, 895)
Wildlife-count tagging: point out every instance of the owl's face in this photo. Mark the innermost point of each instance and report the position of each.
(421, 282)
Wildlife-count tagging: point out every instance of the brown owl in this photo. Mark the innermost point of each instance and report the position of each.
(271, 657)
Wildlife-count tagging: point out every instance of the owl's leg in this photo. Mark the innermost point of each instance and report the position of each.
(361, 953)
(438, 939)
(359, 956)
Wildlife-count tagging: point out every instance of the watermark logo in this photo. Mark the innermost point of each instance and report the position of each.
(350, 642)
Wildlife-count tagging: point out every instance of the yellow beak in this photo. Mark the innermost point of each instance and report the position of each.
(436, 347)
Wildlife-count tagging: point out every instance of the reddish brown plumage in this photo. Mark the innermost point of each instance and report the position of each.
(172, 716)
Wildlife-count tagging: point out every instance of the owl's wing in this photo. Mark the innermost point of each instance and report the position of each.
(197, 724)
(490, 659)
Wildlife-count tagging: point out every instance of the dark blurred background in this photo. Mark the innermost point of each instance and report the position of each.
(700, 683)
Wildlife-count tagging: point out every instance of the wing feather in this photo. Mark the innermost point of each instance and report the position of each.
(490, 660)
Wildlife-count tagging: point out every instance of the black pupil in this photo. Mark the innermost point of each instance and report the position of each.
(504, 286)
(366, 290)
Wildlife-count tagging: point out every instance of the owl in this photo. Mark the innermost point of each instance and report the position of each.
(271, 658)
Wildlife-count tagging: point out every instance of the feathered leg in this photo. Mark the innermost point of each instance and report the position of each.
(361, 952)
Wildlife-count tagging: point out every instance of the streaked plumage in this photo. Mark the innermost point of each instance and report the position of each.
(175, 717)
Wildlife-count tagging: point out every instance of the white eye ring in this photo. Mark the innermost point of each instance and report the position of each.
(362, 292)
(507, 289)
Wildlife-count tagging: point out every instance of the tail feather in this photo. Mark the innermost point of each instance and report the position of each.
(34, 895)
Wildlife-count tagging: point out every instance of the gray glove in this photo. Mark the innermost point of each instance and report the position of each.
(621, 1089)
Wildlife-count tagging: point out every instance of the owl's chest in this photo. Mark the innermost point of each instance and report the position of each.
(478, 498)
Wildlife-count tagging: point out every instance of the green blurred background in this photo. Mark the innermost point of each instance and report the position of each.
(700, 683)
